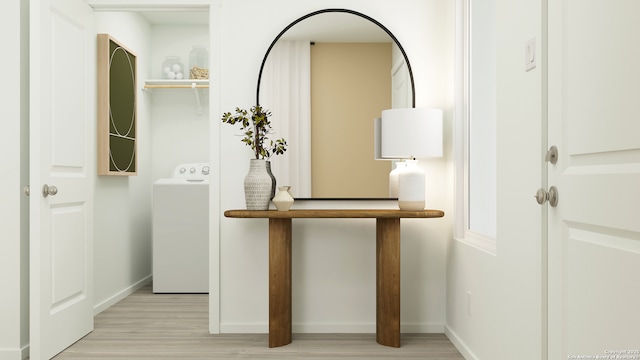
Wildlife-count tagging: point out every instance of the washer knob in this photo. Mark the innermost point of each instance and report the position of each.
(205, 170)
(192, 170)
(182, 170)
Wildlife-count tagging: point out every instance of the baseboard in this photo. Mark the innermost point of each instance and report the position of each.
(351, 328)
(422, 328)
(459, 344)
(329, 328)
(97, 309)
(244, 328)
(15, 354)
(364, 328)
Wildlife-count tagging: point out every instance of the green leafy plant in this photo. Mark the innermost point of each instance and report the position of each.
(256, 129)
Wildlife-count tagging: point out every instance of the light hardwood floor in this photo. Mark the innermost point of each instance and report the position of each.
(174, 326)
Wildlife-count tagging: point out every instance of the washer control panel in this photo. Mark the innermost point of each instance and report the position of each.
(192, 171)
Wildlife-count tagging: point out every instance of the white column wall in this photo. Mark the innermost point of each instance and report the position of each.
(494, 300)
(14, 233)
(333, 260)
(122, 248)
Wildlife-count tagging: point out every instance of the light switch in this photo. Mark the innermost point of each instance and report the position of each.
(530, 54)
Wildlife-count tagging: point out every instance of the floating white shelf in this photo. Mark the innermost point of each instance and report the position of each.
(194, 84)
(176, 84)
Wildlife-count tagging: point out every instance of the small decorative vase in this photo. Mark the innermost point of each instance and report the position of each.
(411, 187)
(283, 199)
(273, 180)
(257, 186)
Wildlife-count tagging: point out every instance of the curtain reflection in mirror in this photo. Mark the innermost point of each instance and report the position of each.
(286, 92)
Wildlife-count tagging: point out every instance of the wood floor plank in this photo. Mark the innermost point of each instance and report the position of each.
(175, 326)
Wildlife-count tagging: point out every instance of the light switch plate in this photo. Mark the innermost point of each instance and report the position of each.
(530, 54)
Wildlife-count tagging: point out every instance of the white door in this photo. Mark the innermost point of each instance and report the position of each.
(62, 110)
(594, 232)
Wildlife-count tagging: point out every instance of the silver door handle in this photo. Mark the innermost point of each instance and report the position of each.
(49, 190)
(543, 196)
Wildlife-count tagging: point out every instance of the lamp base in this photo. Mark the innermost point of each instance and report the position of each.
(411, 205)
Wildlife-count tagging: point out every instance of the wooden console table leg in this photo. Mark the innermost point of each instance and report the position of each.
(279, 282)
(388, 282)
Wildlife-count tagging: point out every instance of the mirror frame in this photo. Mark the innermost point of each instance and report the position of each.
(337, 10)
(395, 40)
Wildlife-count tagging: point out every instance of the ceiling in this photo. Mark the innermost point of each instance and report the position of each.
(325, 27)
(336, 27)
(176, 17)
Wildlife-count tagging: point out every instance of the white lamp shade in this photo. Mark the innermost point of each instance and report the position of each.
(410, 132)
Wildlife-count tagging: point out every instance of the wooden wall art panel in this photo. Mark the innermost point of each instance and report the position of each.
(117, 105)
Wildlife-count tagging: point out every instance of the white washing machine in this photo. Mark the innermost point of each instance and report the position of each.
(181, 231)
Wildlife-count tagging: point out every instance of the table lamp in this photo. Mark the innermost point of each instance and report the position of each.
(409, 133)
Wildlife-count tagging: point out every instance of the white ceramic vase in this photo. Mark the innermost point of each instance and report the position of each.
(257, 186)
(283, 199)
(411, 187)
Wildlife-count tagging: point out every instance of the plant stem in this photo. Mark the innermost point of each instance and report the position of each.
(257, 142)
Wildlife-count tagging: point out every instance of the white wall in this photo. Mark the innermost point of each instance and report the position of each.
(504, 317)
(14, 235)
(122, 204)
(179, 134)
(24, 176)
(122, 248)
(333, 261)
(170, 131)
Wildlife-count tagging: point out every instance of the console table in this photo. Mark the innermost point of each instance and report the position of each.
(387, 266)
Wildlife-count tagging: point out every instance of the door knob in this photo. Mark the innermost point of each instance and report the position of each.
(49, 190)
(552, 155)
(543, 196)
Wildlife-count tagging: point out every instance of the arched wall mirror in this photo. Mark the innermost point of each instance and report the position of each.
(325, 77)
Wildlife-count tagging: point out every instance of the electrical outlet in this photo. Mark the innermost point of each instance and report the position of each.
(469, 303)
